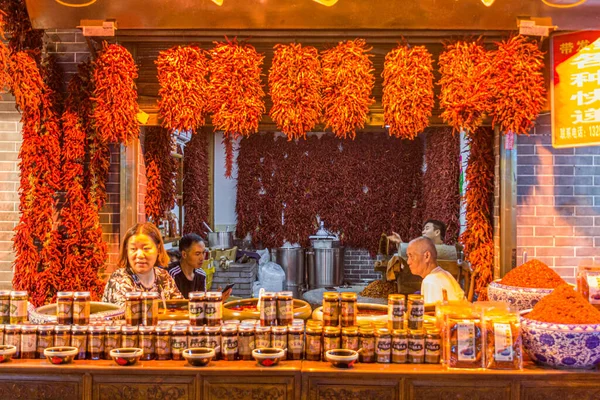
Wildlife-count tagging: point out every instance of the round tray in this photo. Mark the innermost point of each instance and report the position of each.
(98, 312)
(302, 310)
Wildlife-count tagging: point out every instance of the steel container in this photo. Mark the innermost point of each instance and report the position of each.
(325, 267)
(291, 260)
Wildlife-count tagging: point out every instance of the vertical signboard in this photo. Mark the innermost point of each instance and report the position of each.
(575, 59)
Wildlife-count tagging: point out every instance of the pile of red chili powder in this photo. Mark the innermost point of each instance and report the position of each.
(565, 306)
(533, 274)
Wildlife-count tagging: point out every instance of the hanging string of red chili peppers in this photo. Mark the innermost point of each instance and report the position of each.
(478, 239)
(347, 86)
(407, 90)
(518, 82)
(161, 171)
(295, 89)
(5, 79)
(195, 181)
(237, 96)
(465, 94)
(182, 76)
(18, 26)
(115, 113)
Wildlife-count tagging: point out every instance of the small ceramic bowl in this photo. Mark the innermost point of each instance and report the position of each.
(60, 355)
(199, 356)
(6, 352)
(126, 356)
(341, 358)
(267, 357)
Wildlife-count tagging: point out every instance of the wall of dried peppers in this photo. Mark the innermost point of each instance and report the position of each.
(196, 182)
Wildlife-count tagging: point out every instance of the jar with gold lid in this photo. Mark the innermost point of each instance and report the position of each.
(268, 309)
(229, 342)
(213, 308)
(383, 345)
(350, 338)
(133, 308)
(285, 308)
(366, 340)
(331, 339)
(416, 311)
(196, 308)
(314, 343)
(348, 309)
(416, 346)
(279, 338)
(295, 342)
(331, 309)
(245, 342)
(399, 346)
(12, 336)
(149, 304)
(4, 306)
(396, 310)
(433, 346)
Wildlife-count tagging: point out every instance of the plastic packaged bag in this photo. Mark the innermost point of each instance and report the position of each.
(272, 277)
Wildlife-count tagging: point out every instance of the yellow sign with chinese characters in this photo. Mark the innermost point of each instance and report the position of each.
(576, 89)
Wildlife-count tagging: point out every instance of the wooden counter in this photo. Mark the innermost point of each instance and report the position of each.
(292, 380)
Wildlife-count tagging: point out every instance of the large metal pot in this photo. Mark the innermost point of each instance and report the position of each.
(220, 240)
(325, 267)
(292, 261)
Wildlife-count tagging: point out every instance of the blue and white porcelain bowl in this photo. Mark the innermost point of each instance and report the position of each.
(561, 345)
(521, 298)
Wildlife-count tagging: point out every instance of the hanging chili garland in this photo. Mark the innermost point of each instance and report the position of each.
(347, 86)
(407, 90)
(518, 82)
(478, 239)
(18, 26)
(161, 171)
(465, 94)
(195, 181)
(182, 76)
(116, 109)
(295, 88)
(237, 96)
(5, 79)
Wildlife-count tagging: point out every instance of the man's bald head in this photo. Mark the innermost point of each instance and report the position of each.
(422, 256)
(424, 244)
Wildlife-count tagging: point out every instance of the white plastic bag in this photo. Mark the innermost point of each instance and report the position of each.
(272, 277)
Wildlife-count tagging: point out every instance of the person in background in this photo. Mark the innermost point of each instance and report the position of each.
(174, 257)
(422, 260)
(432, 229)
(188, 274)
(141, 254)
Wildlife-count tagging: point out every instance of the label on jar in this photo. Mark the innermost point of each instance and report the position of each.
(15, 340)
(162, 345)
(396, 315)
(62, 340)
(28, 343)
(230, 345)
(348, 313)
(80, 342)
(212, 310)
(350, 342)
(433, 347)
(95, 344)
(5, 308)
(466, 341)
(64, 310)
(246, 344)
(331, 311)
(18, 309)
(129, 341)
(111, 342)
(43, 342)
(330, 343)
(416, 347)
(280, 341)
(196, 309)
(178, 345)
(368, 346)
(295, 343)
(195, 341)
(503, 342)
(399, 347)
(263, 340)
(415, 316)
(285, 310)
(313, 344)
(593, 281)
(268, 311)
(384, 345)
(203, 341)
(213, 341)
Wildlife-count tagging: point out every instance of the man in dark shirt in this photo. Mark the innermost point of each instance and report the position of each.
(189, 275)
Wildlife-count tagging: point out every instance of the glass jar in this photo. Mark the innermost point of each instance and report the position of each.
(416, 346)
(213, 339)
(396, 310)
(18, 307)
(366, 341)
(213, 309)
(45, 339)
(179, 341)
(245, 342)
(12, 336)
(62, 335)
(28, 341)
(196, 336)
(129, 336)
(350, 338)
(295, 342)
(79, 340)
(268, 309)
(348, 309)
(399, 346)
(150, 308)
(229, 342)
(331, 339)
(64, 308)
(313, 343)
(95, 344)
(331, 309)
(262, 337)
(4, 306)
(433, 346)
(81, 308)
(133, 308)
(279, 338)
(285, 308)
(112, 340)
(415, 310)
(383, 345)
(2, 334)
(163, 342)
(196, 308)
(147, 342)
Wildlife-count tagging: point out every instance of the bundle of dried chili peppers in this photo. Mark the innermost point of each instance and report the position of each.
(441, 196)
(195, 181)
(347, 86)
(35, 242)
(116, 109)
(518, 82)
(237, 96)
(295, 88)
(182, 76)
(465, 94)
(478, 239)
(5, 79)
(18, 26)
(407, 90)
(161, 171)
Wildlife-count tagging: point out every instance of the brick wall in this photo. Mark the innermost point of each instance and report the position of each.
(558, 197)
(359, 266)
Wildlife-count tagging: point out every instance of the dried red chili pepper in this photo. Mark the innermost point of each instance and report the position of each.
(116, 109)
(347, 86)
(5, 79)
(295, 88)
(407, 90)
(195, 181)
(18, 25)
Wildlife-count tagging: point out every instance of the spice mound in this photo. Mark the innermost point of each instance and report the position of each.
(565, 306)
(379, 289)
(533, 274)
